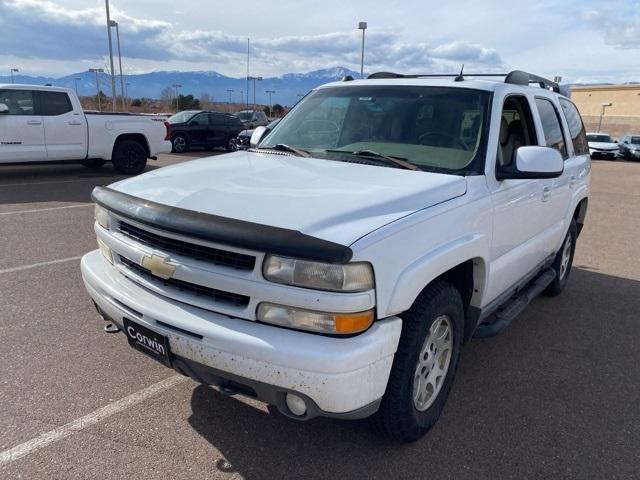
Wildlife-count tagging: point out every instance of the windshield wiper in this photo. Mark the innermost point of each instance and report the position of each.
(281, 147)
(401, 162)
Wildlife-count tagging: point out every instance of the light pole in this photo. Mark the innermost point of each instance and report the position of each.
(126, 95)
(269, 92)
(177, 86)
(604, 105)
(362, 26)
(76, 82)
(259, 79)
(229, 91)
(13, 70)
(113, 78)
(97, 71)
(248, 76)
(113, 23)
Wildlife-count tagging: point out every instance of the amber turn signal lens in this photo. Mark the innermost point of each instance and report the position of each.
(353, 322)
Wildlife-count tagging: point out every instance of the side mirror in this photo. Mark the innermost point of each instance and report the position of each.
(533, 162)
(4, 109)
(257, 135)
(626, 141)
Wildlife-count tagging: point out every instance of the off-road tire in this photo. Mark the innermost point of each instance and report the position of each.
(129, 157)
(398, 416)
(562, 275)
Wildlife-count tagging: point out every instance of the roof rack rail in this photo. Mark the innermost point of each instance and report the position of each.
(516, 77)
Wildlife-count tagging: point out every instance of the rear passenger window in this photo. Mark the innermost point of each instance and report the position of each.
(216, 120)
(19, 102)
(54, 103)
(551, 125)
(576, 127)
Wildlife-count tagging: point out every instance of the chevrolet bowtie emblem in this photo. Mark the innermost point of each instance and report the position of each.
(159, 266)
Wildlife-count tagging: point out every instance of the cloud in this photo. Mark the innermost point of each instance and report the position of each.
(621, 30)
(43, 29)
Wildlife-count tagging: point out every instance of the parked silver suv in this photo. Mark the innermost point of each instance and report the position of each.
(252, 118)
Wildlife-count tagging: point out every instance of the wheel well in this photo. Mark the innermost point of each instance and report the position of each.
(136, 137)
(580, 213)
(468, 278)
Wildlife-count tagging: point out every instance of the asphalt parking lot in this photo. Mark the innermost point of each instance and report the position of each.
(557, 395)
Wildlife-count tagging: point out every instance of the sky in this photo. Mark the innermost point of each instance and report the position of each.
(585, 41)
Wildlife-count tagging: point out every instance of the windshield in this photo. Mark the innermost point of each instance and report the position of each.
(182, 116)
(244, 115)
(438, 127)
(599, 138)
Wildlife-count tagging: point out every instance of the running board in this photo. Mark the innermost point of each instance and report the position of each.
(514, 307)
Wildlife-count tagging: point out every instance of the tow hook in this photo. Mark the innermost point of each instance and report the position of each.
(111, 328)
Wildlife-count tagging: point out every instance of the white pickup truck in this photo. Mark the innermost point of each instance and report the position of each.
(47, 124)
(338, 266)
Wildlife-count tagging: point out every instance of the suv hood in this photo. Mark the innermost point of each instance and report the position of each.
(335, 201)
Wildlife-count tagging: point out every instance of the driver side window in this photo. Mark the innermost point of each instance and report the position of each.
(516, 128)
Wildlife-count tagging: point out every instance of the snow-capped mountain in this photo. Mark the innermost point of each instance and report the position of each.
(287, 87)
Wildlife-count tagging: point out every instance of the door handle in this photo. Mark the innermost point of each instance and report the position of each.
(34, 122)
(75, 122)
(546, 193)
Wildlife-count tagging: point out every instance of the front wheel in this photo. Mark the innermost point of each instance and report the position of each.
(563, 262)
(231, 145)
(424, 365)
(179, 144)
(129, 157)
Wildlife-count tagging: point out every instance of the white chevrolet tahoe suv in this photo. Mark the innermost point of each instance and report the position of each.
(47, 124)
(338, 266)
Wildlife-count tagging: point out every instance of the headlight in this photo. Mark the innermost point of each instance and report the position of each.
(102, 217)
(350, 277)
(321, 322)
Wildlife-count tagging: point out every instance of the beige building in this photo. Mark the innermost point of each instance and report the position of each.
(612, 109)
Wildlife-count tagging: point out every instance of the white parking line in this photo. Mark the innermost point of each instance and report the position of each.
(48, 209)
(39, 264)
(41, 441)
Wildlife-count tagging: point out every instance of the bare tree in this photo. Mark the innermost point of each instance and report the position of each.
(205, 101)
(166, 95)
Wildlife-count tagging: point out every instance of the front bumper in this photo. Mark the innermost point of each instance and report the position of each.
(337, 377)
(603, 153)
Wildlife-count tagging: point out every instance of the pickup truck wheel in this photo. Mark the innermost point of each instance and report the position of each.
(179, 144)
(424, 365)
(129, 157)
(563, 262)
(93, 163)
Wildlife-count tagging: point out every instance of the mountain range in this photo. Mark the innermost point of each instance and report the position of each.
(287, 87)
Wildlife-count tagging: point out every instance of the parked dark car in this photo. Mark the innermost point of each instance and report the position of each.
(252, 119)
(244, 137)
(630, 147)
(197, 128)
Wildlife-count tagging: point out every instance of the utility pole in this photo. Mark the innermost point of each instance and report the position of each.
(76, 82)
(248, 75)
(362, 26)
(113, 78)
(176, 86)
(269, 92)
(126, 95)
(254, 90)
(113, 23)
(97, 71)
(13, 70)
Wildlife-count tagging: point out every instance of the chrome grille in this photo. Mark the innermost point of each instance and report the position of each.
(215, 295)
(238, 261)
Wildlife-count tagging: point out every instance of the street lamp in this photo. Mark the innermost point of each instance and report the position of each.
(241, 97)
(177, 86)
(604, 105)
(230, 91)
(269, 92)
(113, 23)
(113, 78)
(13, 70)
(259, 79)
(76, 82)
(126, 95)
(97, 71)
(362, 26)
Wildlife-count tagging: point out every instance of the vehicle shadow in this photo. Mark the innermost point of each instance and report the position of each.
(554, 396)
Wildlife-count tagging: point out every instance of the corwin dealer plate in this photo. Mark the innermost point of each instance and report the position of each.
(147, 341)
